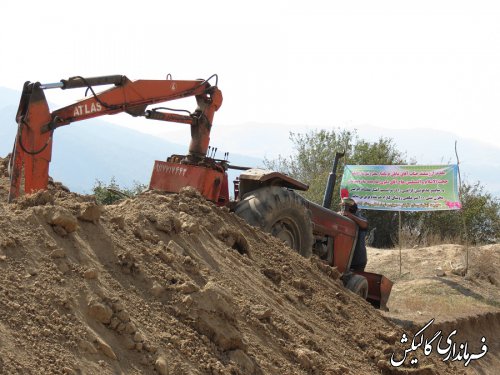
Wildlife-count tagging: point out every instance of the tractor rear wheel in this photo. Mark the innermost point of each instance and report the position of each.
(282, 213)
(358, 285)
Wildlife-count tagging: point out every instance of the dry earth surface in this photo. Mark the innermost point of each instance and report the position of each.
(171, 284)
(433, 284)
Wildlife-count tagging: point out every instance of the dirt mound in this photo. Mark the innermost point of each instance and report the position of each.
(434, 282)
(484, 265)
(53, 186)
(434, 285)
(4, 179)
(473, 330)
(476, 331)
(171, 284)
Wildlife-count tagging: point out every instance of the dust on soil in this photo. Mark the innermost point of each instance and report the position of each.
(171, 284)
(434, 284)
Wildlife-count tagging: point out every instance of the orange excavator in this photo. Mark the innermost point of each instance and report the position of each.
(265, 199)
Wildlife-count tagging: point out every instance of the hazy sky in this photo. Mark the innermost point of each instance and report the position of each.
(394, 64)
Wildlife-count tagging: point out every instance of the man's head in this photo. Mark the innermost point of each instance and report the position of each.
(348, 204)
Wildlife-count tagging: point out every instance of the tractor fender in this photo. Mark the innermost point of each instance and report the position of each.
(256, 178)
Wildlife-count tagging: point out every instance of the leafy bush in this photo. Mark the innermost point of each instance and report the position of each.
(111, 192)
(478, 222)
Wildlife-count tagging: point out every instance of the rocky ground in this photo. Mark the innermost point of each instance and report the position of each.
(171, 284)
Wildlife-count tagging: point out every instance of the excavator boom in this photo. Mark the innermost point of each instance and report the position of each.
(36, 123)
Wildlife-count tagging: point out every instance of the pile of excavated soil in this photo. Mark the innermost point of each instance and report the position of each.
(171, 284)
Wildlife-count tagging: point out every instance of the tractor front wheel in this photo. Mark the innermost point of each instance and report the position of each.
(282, 213)
(358, 285)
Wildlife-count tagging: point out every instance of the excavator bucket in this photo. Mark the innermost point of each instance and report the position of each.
(172, 177)
(379, 289)
(33, 148)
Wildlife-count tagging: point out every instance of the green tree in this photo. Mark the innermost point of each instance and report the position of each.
(112, 192)
(478, 222)
(482, 214)
(313, 159)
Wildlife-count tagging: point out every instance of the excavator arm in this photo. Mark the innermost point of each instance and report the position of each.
(36, 123)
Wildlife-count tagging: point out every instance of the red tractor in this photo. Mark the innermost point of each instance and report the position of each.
(265, 199)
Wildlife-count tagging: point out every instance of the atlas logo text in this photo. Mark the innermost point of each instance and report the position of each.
(87, 109)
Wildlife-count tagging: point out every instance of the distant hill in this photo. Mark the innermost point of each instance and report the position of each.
(479, 161)
(96, 149)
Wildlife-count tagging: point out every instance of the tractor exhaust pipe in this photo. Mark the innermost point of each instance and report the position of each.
(330, 185)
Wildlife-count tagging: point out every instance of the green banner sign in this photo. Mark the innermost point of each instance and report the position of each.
(402, 187)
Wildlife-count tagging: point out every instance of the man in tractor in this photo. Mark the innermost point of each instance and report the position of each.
(349, 208)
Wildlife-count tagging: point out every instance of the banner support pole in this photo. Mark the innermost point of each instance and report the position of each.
(400, 261)
(464, 224)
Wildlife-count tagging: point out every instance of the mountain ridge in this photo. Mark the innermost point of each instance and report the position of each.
(100, 150)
